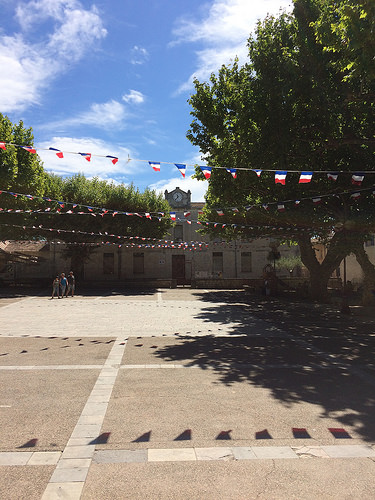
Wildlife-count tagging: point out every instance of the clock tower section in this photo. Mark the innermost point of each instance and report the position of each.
(178, 198)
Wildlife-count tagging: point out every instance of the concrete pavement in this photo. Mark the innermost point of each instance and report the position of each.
(180, 394)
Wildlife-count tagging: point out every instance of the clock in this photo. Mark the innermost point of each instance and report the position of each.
(177, 196)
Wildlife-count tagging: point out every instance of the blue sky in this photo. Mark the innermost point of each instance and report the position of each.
(113, 78)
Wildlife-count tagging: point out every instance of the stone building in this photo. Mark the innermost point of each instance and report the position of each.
(189, 258)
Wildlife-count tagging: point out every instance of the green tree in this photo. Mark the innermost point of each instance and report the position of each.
(287, 109)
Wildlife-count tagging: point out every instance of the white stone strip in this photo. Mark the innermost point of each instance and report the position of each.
(234, 365)
(72, 468)
(159, 296)
(51, 367)
(232, 453)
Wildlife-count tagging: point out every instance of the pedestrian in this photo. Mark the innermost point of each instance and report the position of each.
(56, 287)
(71, 284)
(63, 283)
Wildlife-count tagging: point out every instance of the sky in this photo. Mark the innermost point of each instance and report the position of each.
(113, 78)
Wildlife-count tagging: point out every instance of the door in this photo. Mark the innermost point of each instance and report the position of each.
(178, 268)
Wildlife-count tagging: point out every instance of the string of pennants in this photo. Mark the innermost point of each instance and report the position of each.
(280, 175)
(98, 211)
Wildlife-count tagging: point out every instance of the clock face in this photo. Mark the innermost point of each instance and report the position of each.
(177, 196)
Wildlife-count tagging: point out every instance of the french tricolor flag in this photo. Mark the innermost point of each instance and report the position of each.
(173, 215)
(355, 196)
(182, 168)
(280, 177)
(206, 171)
(333, 176)
(219, 212)
(258, 172)
(281, 207)
(155, 165)
(113, 159)
(87, 156)
(357, 179)
(59, 153)
(2, 146)
(305, 177)
(29, 149)
(186, 214)
(233, 172)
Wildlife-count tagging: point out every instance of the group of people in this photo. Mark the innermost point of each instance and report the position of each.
(62, 285)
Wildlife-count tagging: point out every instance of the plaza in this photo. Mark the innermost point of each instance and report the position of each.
(184, 394)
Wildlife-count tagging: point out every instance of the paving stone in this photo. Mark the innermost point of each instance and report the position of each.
(349, 451)
(67, 491)
(79, 451)
(71, 463)
(86, 430)
(69, 475)
(243, 453)
(44, 458)
(171, 455)
(214, 453)
(274, 452)
(15, 457)
(119, 456)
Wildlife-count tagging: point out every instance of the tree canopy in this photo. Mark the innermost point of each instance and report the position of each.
(288, 109)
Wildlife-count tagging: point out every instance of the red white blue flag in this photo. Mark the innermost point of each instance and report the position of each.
(219, 212)
(281, 207)
(155, 165)
(206, 171)
(258, 172)
(87, 156)
(182, 168)
(29, 149)
(114, 159)
(305, 177)
(280, 177)
(59, 153)
(2, 146)
(357, 179)
(233, 172)
(333, 176)
(173, 215)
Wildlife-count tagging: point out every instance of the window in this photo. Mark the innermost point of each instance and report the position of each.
(108, 263)
(138, 263)
(217, 262)
(178, 232)
(245, 262)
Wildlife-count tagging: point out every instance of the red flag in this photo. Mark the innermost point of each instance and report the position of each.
(29, 149)
(2, 146)
(87, 156)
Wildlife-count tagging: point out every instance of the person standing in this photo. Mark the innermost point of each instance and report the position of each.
(71, 284)
(56, 287)
(63, 283)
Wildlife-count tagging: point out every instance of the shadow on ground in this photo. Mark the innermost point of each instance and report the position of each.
(301, 352)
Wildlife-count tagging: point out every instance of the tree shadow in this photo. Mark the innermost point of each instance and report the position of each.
(300, 352)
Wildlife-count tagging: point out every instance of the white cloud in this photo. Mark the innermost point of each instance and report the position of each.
(100, 115)
(134, 97)
(138, 55)
(74, 163)
(32, 65)
(223, 33)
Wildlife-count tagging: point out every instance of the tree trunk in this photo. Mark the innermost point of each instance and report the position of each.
(368, 269)
(321, 272)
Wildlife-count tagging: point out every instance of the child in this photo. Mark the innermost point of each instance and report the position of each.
(56, 287)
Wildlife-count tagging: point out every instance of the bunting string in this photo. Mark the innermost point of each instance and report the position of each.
(280, 175)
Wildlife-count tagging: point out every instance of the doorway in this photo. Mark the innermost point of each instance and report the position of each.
(178, 269)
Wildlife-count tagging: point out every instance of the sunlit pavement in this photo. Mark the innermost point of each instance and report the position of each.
(184, 394)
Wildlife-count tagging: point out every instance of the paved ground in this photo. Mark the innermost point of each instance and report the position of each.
(184, 394)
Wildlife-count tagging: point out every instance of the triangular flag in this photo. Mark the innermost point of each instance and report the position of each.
(281, 207)
(333, 176)
(206, 171)
(355, 196)
(258, 172)
(357, 179)
(316, 201)
(59, 153)
(173, 215)
(186, 214)
(182, 168)
(233, 172)
(219, 212)
(265, 206)
(87, 156)
(2, 146)
(29, 149)
(305, 177)
(155, 165)
(114, 159)
(280, 177)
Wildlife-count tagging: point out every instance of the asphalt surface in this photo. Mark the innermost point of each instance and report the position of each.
(184, 394)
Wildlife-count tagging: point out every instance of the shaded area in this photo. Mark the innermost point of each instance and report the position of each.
(287, 350)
